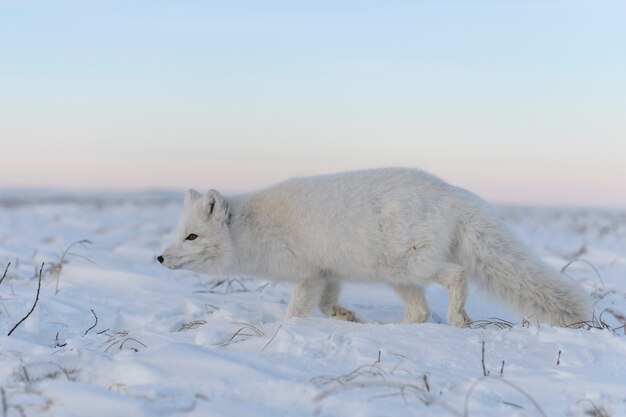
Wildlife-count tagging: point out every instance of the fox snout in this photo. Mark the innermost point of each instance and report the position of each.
(166, 262)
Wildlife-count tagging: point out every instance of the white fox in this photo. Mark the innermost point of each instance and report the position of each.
(400, 226)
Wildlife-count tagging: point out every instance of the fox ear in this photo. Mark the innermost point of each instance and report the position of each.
(216, 206)
(191, 196)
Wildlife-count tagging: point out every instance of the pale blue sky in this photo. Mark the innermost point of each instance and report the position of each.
(519, 101)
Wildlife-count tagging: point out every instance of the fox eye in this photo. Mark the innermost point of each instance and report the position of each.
(191, 237)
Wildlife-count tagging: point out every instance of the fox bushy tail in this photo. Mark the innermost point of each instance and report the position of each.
(505, 268)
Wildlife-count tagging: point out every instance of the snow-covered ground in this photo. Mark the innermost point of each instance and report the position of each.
(174, 343)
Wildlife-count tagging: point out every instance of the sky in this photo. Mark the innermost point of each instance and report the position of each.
(520, 102)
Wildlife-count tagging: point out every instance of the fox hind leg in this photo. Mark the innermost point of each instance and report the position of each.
(452, 278)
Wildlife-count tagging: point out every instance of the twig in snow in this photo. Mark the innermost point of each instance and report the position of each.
(558, 359)
(426, 384)
(502, 369)
(485, 372)
(94, 325)
(513, 405)
(34, 304)
(5, 272)
(56, 340)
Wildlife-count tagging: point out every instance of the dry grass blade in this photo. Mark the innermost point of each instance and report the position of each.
(232, 286)
(242, 334)
(595, 411)
(56, 268)
(192, 325)
(5, 272)
(372, 370)
(491, 322)
(215, 285)
(114, 339)
(401, 386)
(271, 339)
(598, 323)
(587, 263)
(258, 331)
(618, 316)
(120, 338)
(34, 304)
(133, 340)
(527, 323)
(504, 381)
(601, 293)
(384, 382)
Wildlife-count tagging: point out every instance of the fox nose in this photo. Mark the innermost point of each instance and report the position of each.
(160, 259)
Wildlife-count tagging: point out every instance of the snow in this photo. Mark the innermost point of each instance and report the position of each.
(176, 343)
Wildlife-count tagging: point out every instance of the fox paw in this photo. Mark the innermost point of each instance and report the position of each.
(459, 319)
(341, 313)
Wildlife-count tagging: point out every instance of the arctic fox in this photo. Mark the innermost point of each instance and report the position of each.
(400, 226)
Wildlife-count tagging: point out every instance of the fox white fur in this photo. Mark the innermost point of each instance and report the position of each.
(400, 226)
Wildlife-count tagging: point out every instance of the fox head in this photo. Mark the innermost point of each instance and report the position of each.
(202, 241)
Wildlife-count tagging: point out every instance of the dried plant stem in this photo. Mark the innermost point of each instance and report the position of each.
(482, 360)
(56, 268)
(34, 304)
(94, 325)
(271, 339)
(5, 272)
(5, 407)
(587, 263)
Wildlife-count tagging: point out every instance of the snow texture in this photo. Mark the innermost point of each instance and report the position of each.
(175, 343)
